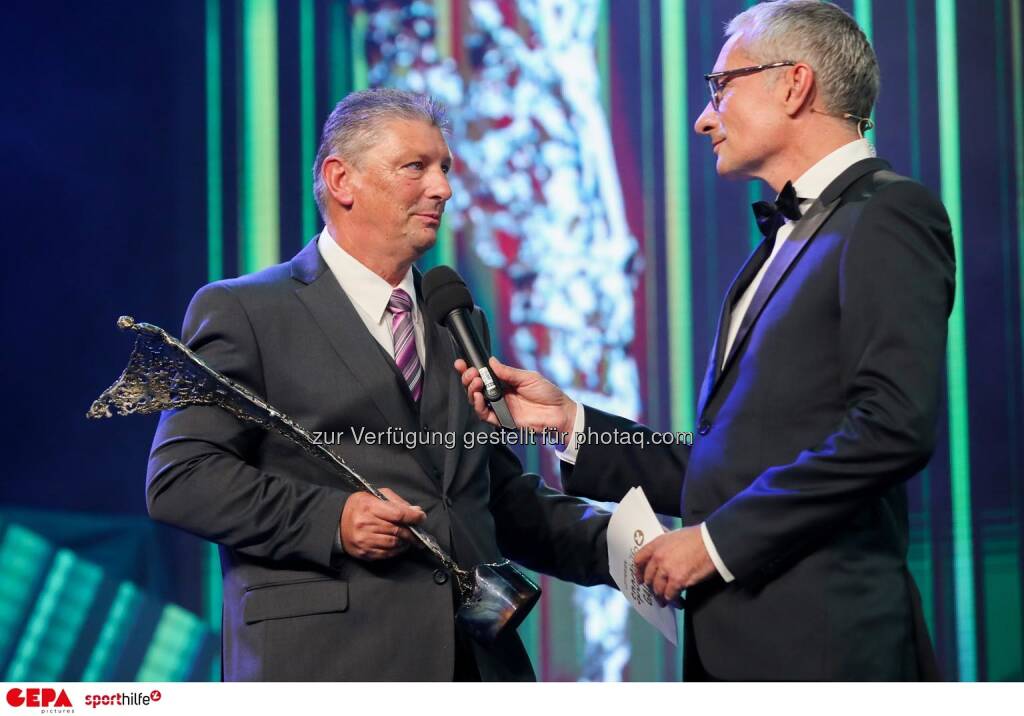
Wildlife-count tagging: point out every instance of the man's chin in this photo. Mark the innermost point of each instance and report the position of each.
(425, 241)
(725, 169)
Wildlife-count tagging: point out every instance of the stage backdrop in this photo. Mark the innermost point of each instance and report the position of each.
(152, 147)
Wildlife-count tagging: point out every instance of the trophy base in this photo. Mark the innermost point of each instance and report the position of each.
(502, 597)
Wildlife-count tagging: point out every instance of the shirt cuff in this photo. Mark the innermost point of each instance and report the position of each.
(571, 450)
(713, 553)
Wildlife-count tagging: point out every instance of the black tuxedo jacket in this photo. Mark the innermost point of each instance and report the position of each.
(292, 610)
(827, 404)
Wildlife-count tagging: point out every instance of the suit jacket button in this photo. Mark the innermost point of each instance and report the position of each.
(447, 501)
(704, 428)
(440, 576)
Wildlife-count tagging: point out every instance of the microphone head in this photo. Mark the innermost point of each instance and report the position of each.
(444, 291)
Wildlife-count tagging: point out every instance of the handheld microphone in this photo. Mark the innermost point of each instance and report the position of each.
(450, 304)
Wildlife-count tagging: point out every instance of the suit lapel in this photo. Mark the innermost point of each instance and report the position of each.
(458, 412)
(334, 314)
(789, 252)
(739, 282)
(441, 354)
(444, 379)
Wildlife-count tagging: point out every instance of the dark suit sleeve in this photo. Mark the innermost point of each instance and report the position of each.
(200, 475)
(541, 528)
(896, 288)
(607, 472)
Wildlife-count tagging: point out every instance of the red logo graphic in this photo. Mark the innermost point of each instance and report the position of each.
(37, 697)
(125, 698)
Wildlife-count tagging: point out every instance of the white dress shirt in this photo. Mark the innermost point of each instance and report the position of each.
(370, 294)
(808, 187)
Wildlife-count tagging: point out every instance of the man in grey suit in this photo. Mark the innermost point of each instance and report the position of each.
(319, 581)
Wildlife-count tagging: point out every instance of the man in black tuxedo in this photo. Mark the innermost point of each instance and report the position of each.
(822, 389)
(319, 583)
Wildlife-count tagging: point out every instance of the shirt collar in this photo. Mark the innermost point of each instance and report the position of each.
(368, 291)
(815, 180)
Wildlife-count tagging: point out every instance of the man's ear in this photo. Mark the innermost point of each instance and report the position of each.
(798, 87)
(339, 179)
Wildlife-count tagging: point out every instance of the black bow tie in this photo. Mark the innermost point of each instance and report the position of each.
(770, 215)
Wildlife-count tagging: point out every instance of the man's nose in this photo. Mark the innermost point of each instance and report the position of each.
(440, 188)
(707, 121)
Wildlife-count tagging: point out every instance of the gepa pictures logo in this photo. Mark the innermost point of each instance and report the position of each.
(36, 697)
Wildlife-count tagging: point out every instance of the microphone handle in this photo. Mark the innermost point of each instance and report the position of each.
(472, 349)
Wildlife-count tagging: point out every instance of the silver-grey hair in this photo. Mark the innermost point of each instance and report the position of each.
(820, 34)
(355, 122)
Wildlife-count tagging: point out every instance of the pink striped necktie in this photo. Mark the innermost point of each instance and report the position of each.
(404, 337)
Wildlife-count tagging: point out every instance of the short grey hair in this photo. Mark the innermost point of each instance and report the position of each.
(355, 121)
(822, 35)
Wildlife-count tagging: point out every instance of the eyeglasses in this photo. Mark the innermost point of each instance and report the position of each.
(718, 80)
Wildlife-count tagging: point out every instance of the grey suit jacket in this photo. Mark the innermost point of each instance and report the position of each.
(292, 609)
